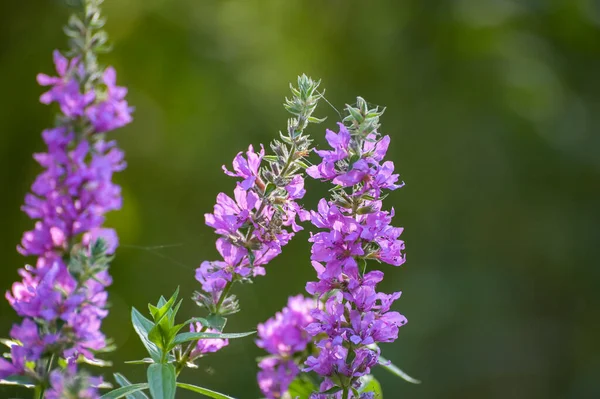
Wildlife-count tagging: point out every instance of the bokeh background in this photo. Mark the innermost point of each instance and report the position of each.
(493, 108)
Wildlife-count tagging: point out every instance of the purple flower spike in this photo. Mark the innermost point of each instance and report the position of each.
(354, 229)
(63, 298)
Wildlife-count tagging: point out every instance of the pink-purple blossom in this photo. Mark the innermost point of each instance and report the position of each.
(283, 336)
(359, 165)
(252, 229)
(206, 345)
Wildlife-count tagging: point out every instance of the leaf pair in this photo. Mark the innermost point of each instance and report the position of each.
(160, 336)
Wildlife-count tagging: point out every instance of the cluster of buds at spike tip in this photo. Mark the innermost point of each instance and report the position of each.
(63, 298)
(361, 120)
(261, 218)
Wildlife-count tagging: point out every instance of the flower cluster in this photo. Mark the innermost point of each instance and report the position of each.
(252, 230)
(285, 338)
(355, 317)
(262, 216)
(350, 164)
(62, 299)
(102, 104)
(70, 384)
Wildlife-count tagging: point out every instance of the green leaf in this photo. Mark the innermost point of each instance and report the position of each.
(193, 336)
(370, 384)
(203, 391)
(302, 164)
(8, 342)
(145, 360)
(124, 391)
(332, 390)
(20, 380)
(217, 322)
(159, 313)
(161, 379)
(389, 366)
(312, 119)
(94, 362)
(269, 189)
(124, 382)
(142, 327)
(302, 387)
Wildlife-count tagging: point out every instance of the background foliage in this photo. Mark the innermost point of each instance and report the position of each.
(493, 108)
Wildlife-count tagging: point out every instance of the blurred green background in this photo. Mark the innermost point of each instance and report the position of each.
(493, 108)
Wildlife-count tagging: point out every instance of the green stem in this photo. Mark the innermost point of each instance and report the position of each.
(186, 355)
(40, 389)
(345, 393)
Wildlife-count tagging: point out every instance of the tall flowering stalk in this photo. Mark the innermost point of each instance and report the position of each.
(355, 230)
(62, 299)
(352, 317)
(261, 218)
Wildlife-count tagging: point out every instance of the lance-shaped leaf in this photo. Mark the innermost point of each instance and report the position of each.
(20, 380)
(142, 327)
(194, 336)
(124, 382)
(161, 379)
(302, 387)
(204, 391)
(124, 391)
(389, 366)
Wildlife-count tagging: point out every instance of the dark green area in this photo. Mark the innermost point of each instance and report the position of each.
(493, 108)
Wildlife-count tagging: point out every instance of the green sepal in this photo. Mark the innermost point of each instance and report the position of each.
(269, 188)
(312, 119)
(302, 164)
(203, 391)
(271, 158)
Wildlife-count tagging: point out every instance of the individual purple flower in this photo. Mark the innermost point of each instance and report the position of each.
(65, 88)
(246, 168)
(113, 111)
(353, 164)
(206, 345)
